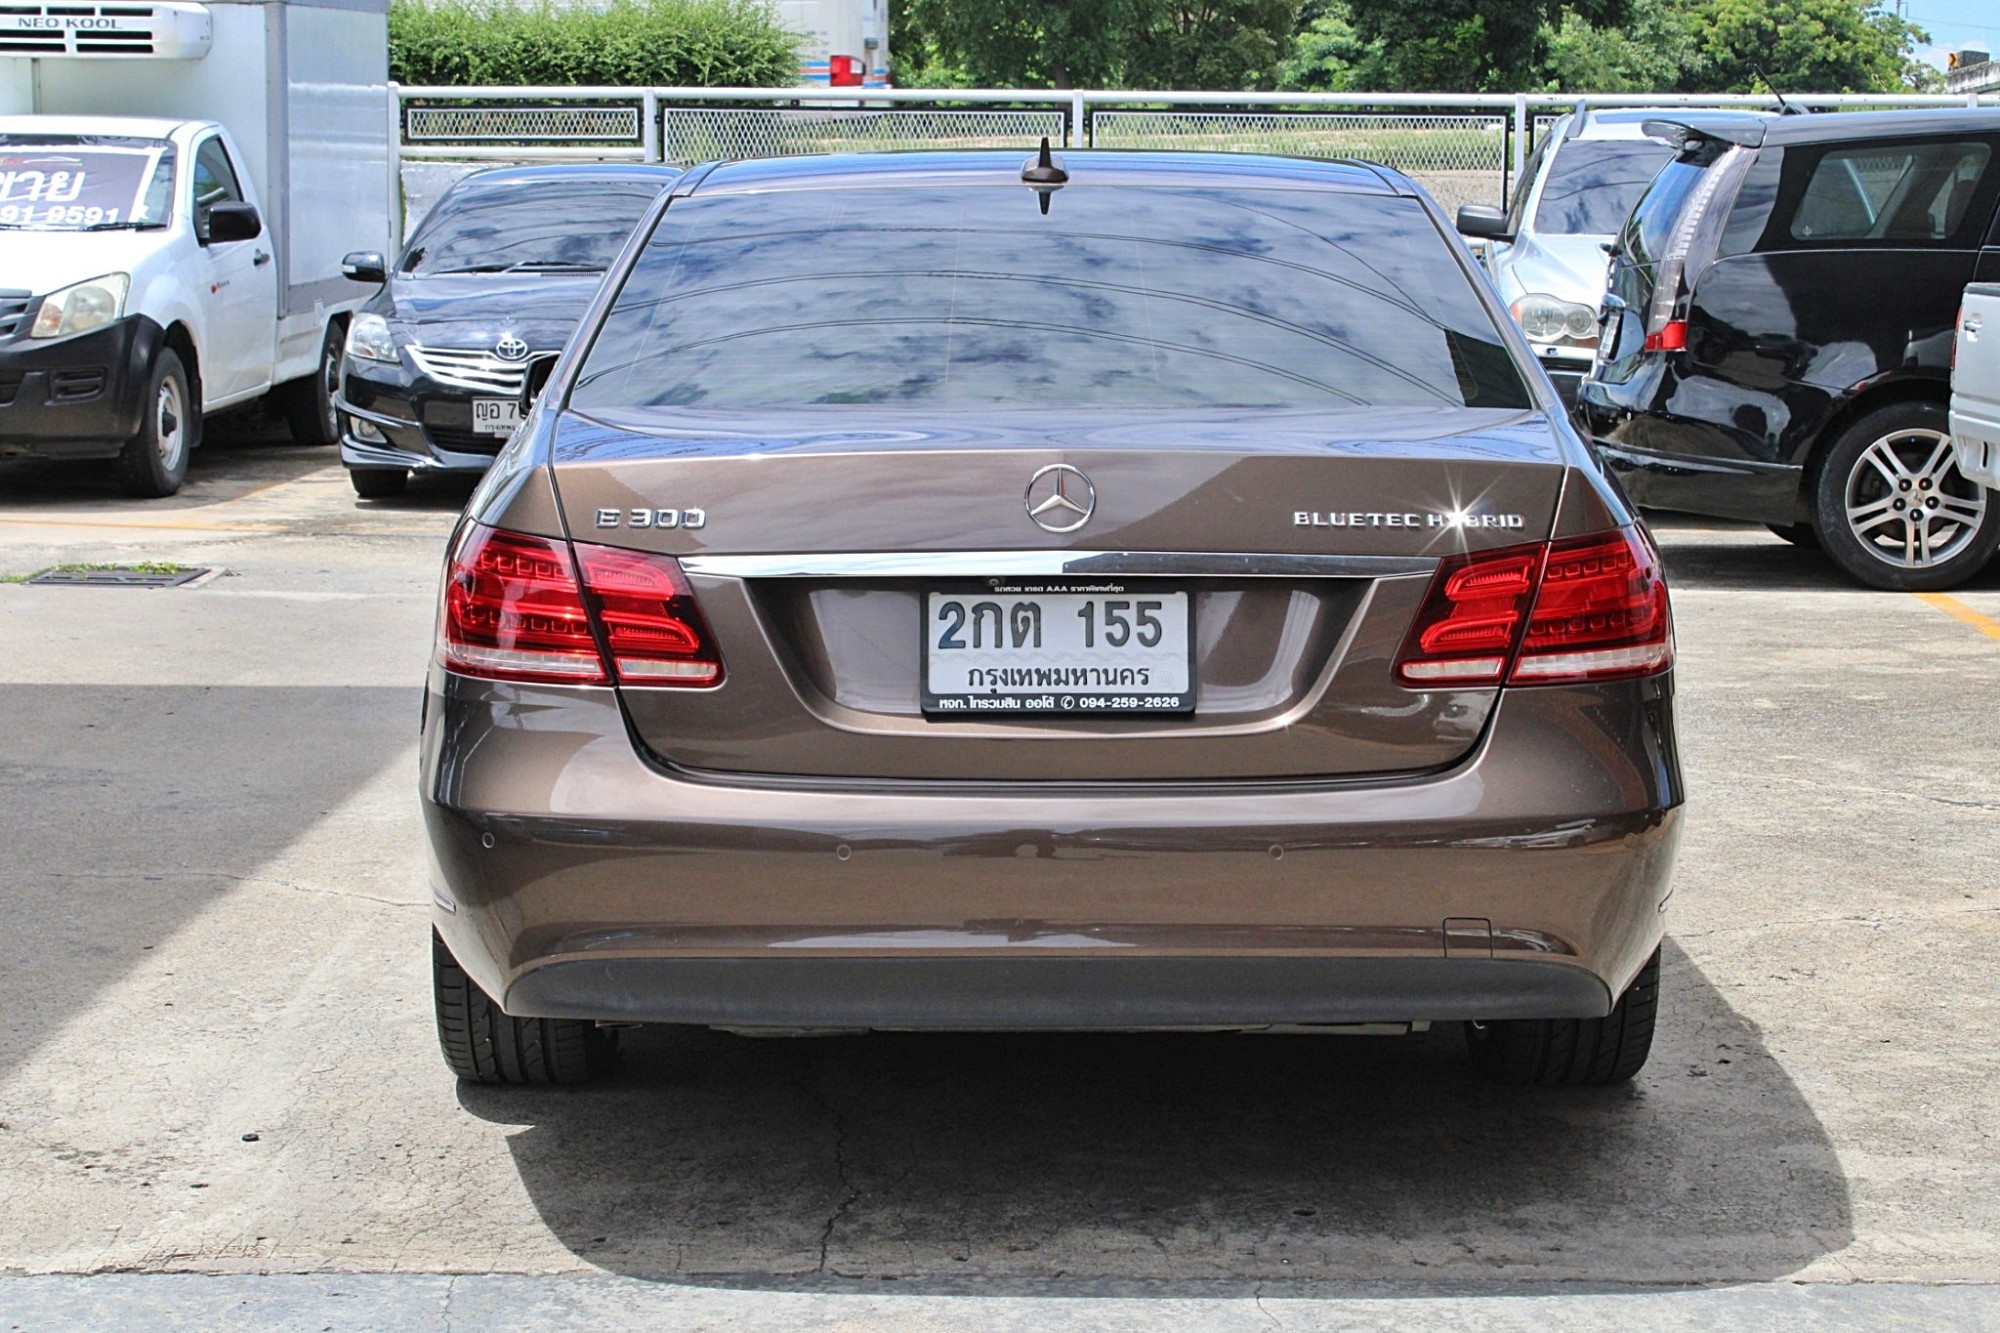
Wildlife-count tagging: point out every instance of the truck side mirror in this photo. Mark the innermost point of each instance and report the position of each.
(234, 221)
(1483, 220)
(365, 266)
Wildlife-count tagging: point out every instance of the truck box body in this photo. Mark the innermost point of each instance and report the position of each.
(302, 87)
(1975, 385)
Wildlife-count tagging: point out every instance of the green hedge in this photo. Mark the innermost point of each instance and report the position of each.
(700, 43)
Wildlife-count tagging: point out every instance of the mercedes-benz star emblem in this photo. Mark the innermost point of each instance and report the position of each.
(1060, 498)
(510, 348)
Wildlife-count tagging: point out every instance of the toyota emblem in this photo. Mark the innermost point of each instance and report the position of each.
(510, 348)
(1060, 498)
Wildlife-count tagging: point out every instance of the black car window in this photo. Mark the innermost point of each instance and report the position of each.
(1889, 192)
(1594, 183)
(572, 222)
(1517, 208)
(214, 182)
(970, 297)
(1651, 227)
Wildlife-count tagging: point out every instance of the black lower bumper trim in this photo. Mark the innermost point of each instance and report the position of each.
(77, 396)
(1041, 993)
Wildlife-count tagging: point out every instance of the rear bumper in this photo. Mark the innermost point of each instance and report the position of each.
(1975, 435)
(77, 397)
(574, 878)
(1054, 993)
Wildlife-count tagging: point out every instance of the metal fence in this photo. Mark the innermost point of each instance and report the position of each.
(1463, 148)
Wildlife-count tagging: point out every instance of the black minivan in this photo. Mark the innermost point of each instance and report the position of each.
(1776, 343)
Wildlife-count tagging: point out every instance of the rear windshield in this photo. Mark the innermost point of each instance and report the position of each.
(1651, 226)
(575, 223)
(84, 182)
(1594, 184)
(970, 297)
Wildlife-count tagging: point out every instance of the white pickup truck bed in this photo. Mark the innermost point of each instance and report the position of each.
(1975, 385)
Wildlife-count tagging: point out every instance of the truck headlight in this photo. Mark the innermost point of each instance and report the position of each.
(82, 306)
(1550, 319)
(369, 339)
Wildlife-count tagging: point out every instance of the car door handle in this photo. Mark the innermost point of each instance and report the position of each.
(261, 258)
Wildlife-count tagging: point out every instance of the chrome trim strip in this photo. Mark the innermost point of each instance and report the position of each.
(977, 564)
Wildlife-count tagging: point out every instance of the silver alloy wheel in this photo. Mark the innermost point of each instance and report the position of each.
(1908, 504)
(169, 425)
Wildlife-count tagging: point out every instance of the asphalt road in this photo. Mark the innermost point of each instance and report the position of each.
(217, 1056)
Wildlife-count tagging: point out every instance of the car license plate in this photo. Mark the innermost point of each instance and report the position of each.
(1015, 648)
(495, 416)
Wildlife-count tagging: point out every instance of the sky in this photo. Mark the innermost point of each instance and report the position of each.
(1954, 25)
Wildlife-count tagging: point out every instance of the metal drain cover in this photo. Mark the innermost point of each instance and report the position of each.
(114, 577)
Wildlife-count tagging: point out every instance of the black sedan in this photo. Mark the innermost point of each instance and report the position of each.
(436, 371)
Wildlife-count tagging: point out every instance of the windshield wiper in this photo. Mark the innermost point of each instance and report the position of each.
(95, 226)
(554, 265)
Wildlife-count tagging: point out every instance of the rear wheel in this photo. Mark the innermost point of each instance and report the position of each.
(154, 462)
(1572, 1052)
(1892, 509)
(484, 1045)
(308, 403)
(378, 483)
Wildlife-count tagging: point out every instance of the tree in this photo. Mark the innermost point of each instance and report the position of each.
(1469, 45)
(1645, 54)
(1328, 55)
(1826, 46)
(1229, 44)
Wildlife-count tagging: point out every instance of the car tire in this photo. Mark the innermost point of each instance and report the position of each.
(378, 483)
(1892, 465)
(1798, 534)
(154, 462)
(483, 1045)
(308, 403)
(1572, 1052)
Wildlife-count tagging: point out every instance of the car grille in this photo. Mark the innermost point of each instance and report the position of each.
(472, 369)
(13, 307)
(460, 441)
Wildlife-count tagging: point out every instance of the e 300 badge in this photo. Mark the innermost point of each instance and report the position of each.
(652, 518)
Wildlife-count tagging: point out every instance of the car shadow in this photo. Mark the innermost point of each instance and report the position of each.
(1716, 553)
(425, 494)
(1171, 1160)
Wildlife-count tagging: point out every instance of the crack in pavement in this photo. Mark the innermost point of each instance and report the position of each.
(815, 1078)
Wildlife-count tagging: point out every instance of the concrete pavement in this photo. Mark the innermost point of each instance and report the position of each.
(219, 1057)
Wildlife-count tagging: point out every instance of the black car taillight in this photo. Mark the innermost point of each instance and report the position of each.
(515, 609)
(1582, 609)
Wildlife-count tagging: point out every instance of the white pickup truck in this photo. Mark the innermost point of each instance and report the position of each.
(174, 205)
(1975, 385)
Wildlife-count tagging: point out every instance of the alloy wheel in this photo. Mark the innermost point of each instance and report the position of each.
(1907, 503)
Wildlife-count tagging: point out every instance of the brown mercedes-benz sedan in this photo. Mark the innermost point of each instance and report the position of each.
(1142, 591)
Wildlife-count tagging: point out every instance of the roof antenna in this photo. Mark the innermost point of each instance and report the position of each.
(1784, 108)
(1045, 173)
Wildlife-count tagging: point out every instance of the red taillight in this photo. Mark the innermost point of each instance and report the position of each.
(651, 623)
(844, 71)
(514, 610)
(1472, 618)
(1672, 337)
(1591, 608)
(1601, 613)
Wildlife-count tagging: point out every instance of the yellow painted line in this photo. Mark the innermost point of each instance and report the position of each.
(259, 490)
(1959, 611)
(171, 527)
